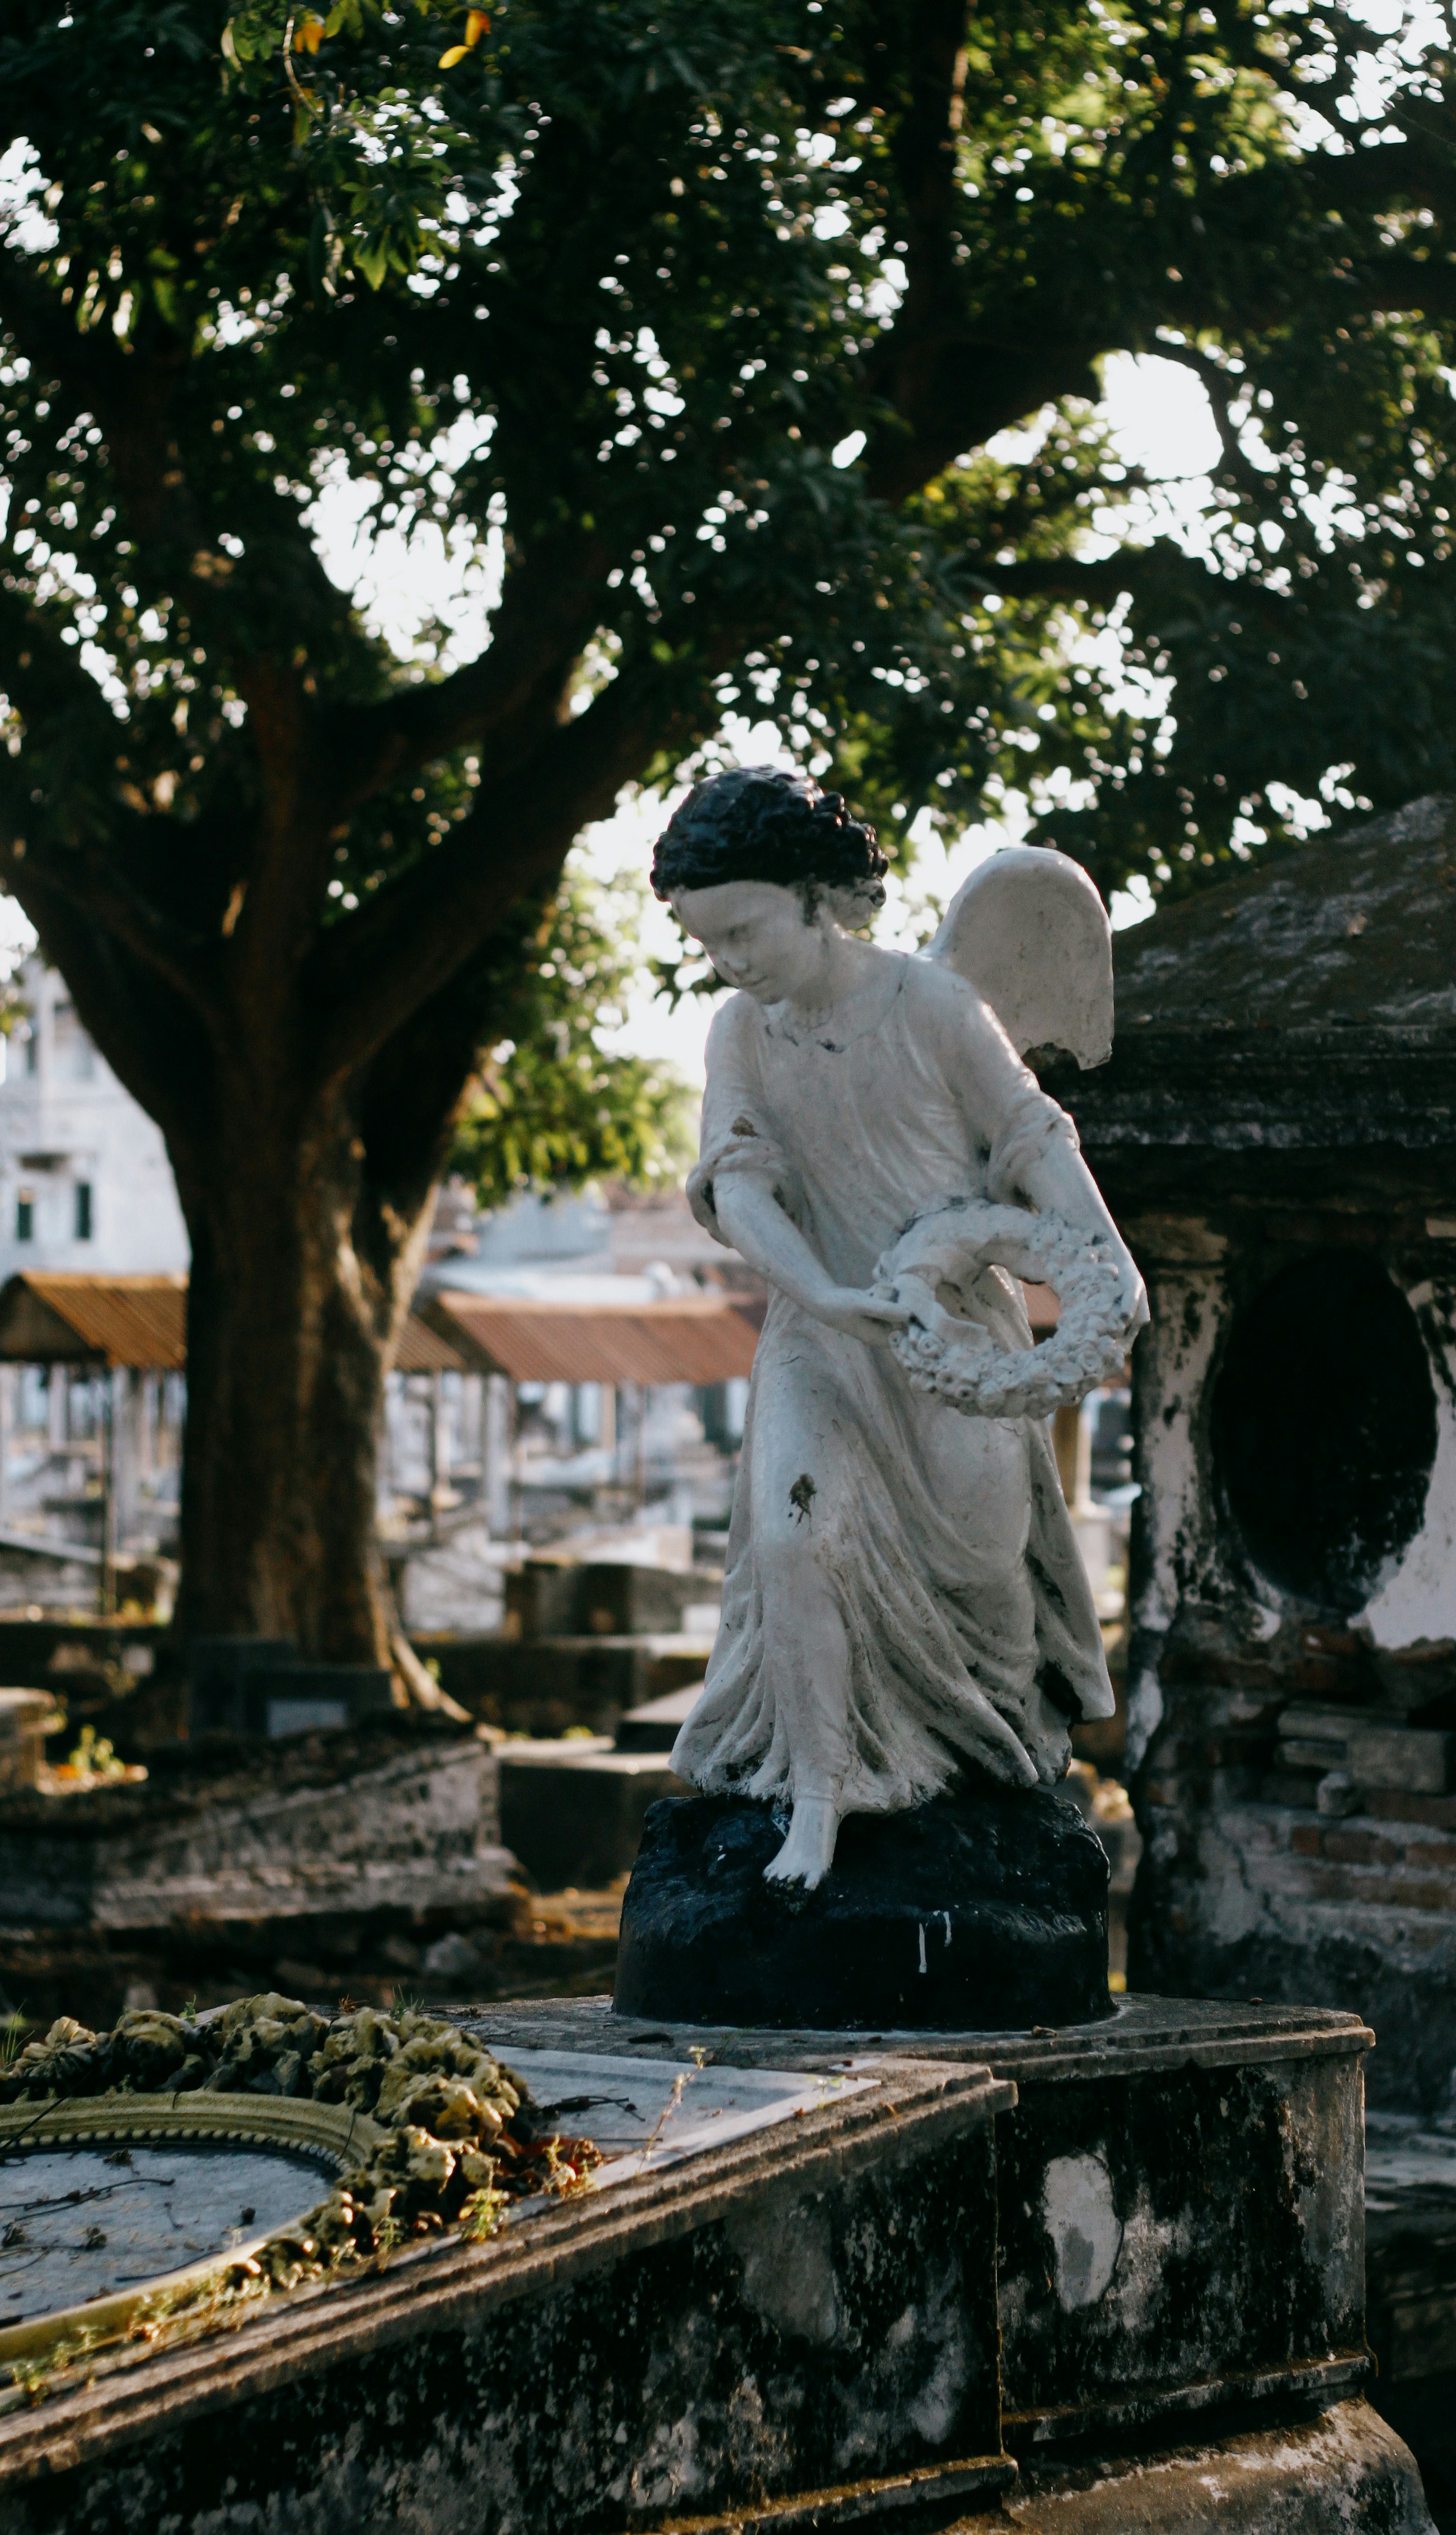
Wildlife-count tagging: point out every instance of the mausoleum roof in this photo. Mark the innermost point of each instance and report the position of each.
(1289, 1038)
(1357, 928)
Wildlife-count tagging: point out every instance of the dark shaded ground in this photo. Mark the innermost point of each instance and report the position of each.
(546, 1945)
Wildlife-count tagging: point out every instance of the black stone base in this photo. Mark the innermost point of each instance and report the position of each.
(986, 1910)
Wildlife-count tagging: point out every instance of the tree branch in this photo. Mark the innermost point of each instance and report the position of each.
(49, 338)
(1404, 285)
(1160, 569)
(952, 384)
(972, 390)
(1420, 171)
(97, 891)
(1099, 584)
(370, 975)
(548, 610)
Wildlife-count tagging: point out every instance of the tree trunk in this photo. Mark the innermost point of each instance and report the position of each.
(301, 1276)
(306, 1137)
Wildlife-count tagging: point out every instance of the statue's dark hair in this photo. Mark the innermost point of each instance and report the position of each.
(761, 823)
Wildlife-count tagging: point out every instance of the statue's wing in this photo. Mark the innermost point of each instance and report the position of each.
(1030, 933)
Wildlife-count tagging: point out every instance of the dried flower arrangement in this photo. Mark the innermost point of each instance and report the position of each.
(447, 2136)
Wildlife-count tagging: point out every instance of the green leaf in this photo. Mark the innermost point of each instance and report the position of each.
(372, 260)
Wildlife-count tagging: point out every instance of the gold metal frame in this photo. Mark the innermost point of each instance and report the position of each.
(337, 2132)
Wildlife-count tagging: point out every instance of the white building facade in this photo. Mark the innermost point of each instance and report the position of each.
(84, 1180)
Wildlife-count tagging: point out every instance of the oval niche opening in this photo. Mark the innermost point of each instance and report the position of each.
(1324, 1427)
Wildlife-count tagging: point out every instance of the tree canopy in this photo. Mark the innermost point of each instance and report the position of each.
(608, 284)
(705, 326)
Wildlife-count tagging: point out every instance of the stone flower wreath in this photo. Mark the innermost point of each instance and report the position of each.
(957, 1359)
(452, 2135)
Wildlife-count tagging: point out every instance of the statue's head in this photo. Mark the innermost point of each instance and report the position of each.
(753, 858)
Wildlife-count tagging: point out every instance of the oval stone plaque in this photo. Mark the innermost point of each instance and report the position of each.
(106, 2201)
(78, 2223)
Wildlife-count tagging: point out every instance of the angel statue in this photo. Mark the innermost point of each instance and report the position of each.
(903, 1590)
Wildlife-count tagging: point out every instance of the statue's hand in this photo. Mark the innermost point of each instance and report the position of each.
(861, 1315)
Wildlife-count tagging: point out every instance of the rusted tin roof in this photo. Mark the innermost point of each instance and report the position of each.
(690, 1338)
(63, 1318)
(69, 1317)
(422, 1350)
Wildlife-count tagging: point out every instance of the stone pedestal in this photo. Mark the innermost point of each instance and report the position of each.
(988, 1909)
(1179, 2198)
(1070, 2283)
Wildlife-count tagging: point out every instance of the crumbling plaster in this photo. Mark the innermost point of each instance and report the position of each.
(1188, 1549)
(1414, 1606)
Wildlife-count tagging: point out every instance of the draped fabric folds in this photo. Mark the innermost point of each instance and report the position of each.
(945, 1538)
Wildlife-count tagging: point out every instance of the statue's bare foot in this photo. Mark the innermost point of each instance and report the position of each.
(808, 1853)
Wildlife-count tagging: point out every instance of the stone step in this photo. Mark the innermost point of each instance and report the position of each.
(656, 1726)
(571, 1811)
(554, 1597)
(547, 1686)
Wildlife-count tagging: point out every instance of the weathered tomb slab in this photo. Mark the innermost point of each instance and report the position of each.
(1180, 2196)
(645, 2114)
(1411, 2289)
(400, 1814)
(81, 2219)
(572, 1810)
(809, 2304)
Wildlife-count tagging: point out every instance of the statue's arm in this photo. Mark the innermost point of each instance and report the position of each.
(1058, 1182)
(1034, 1150)
(743, 1184)
(758, 1229)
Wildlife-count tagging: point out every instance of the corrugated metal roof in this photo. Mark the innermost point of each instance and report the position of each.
(422, 1350)
(69, 1317)
(65, 1317)
(690, 1337)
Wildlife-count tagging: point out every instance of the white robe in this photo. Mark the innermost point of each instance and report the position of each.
(946, 1538)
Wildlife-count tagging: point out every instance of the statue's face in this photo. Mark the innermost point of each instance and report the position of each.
(758, 938)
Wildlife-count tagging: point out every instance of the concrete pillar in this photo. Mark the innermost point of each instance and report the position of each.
(438, 1450)
(126, 1455)
(496, 1439)
(148, 1420)
(473, 1421)
(1071, 1442)
(9, 1377)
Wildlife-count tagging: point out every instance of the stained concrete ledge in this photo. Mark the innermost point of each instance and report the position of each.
(1344, 2473)
(1152, 2033)
(607, 2359)
(1180, 2196)
(1126, 2258)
